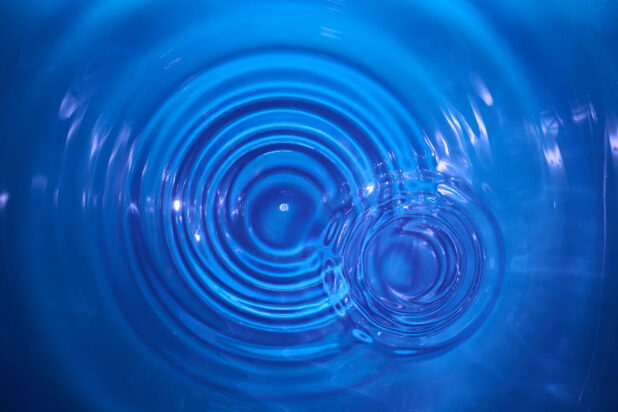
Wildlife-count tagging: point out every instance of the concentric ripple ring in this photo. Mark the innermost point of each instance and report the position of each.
(284, 206)
(254, 188)
(424, 268)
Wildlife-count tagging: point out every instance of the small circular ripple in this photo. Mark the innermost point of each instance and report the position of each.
(424, 269)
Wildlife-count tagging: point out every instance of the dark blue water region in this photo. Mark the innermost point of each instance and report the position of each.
(306, 205)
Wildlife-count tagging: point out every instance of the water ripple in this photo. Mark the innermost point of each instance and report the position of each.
(306, 200)
(424, 268)
(284, 206)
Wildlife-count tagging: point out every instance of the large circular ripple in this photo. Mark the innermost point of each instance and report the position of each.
(283, 208)
(249, 175)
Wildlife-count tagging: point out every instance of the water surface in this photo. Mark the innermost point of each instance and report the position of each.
(336, 205)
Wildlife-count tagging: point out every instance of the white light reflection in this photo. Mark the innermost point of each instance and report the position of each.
(582, 112)
(4, 198)
(69, 105)
(440, 139)
(171, 63)
(284, 207)
(553, 156)
(176, 205)
(483, 92)
(121, 142)
(328, 32)
(77, 121)
(550, 125)
(612, 135)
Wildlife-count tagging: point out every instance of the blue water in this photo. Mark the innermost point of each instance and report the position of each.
(309, 205)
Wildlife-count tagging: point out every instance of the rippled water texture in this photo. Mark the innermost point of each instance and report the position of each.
(340, 205)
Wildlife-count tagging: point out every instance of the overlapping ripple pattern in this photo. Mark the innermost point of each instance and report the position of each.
(287, 200)
(269, 197)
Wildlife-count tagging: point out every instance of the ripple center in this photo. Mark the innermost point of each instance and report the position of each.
(401, 264)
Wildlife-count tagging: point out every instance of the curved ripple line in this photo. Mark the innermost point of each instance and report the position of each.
(283, 207)
(424, 268)
(251, 186)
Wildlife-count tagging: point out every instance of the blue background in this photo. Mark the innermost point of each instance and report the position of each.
(510, 106)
